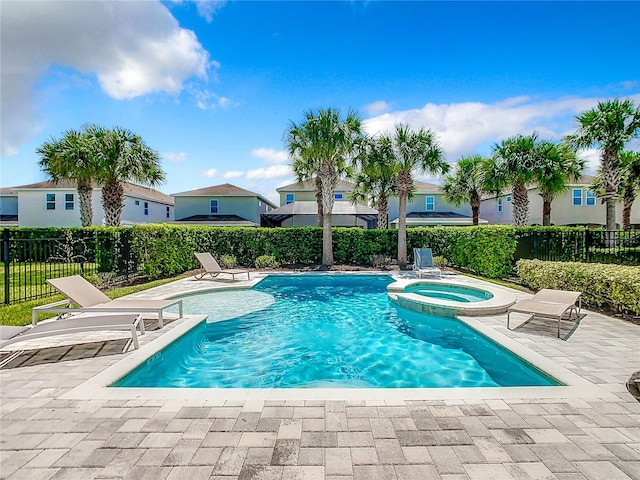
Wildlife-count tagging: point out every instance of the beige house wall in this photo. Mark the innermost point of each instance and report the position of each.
(247, 207)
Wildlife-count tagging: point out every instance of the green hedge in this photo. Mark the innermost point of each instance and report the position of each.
(165, 250)
(608, 286)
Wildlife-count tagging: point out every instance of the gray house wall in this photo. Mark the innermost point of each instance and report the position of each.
(419, 204)
(247, 207)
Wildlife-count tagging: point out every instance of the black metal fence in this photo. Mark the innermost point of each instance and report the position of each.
(592, 246)
(28, 262)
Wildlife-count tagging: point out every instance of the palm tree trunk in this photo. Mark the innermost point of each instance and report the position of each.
(520, 205)
(626, 212)
(402, 229)
(319, 201)
(546, 210)
(328, 180)
(112, 203)
(475, 212)
(611, 181)
(383, 212)
(85, 197)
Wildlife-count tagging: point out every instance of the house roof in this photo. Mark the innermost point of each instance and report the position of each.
(310, 207)
(309, 186)
(438, 218)
(425, 187)
(216, 220)
(130, 190)
(224, 189)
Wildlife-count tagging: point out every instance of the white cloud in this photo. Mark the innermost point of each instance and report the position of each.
(271, 156)
(378, 107)
(211, 173)
(465, 128)
(206, 100)
(233, 174)
(133, 49)
(593, 157)
(206, 8)
(175, 157)
(214, 173)
(275, 171)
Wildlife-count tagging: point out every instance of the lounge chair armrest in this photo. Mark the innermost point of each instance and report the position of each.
(49, 307)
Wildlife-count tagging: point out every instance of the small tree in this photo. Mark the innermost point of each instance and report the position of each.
(322, 147)
(467, 184)
(121, 156)
(556, 165)
(375, 181)
(608, 127)
(70, 158)
(413, 151)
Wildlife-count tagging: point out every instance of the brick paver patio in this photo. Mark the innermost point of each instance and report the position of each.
(47, 431)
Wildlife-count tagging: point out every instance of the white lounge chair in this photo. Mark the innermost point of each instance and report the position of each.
(211, 267)
(548, 303)
(126, 322)
(89, 299)
(423, 263)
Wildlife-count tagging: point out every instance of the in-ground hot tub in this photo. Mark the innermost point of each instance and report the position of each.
(450, 298)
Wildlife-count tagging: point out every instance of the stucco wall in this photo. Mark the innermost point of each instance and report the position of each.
(245, 207)
(418, 204)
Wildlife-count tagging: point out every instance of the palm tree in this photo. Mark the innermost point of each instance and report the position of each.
(467, 184)
(557, 164)
(630, 181)
(513, 165)
(69, 159)
(629, 184)
(412, 151)
(375, 182)
(121, 156)
(608, 127)
(322, 147)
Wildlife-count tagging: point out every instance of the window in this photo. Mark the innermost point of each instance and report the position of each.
(168, 212)
(508, 198)
(259, 203)
(137, 202)
(590, 199)
(146, 208)
(337, 196)
(576, 197)
(431, 204)
(213, 206)
(500, 205)
(68, 201)
(51, 201)
(289, 198)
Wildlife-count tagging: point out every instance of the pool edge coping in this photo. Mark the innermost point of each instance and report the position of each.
(98, 386)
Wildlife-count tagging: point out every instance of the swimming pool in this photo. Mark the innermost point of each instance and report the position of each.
(443, 291)
(326, 331)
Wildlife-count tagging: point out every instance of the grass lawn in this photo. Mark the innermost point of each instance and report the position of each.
(20, 313)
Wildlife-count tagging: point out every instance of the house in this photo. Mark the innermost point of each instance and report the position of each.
(299, 208)
(428, 208)
(49, 204)
(306, 191)
(220, 205)
(577, 206)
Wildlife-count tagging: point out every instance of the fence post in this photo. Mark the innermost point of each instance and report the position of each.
(7, 260)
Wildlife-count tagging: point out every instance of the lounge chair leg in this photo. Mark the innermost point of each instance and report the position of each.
(134, 338)
(160, 319)
(508, 313)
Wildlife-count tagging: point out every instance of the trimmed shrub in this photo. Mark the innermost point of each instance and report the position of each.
(267, 261)
(228, 261)
(614, 287)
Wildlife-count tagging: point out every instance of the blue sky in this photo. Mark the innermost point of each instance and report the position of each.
(212, 86)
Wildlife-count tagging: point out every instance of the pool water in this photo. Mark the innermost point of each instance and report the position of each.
(450, 292)
(326, 331)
